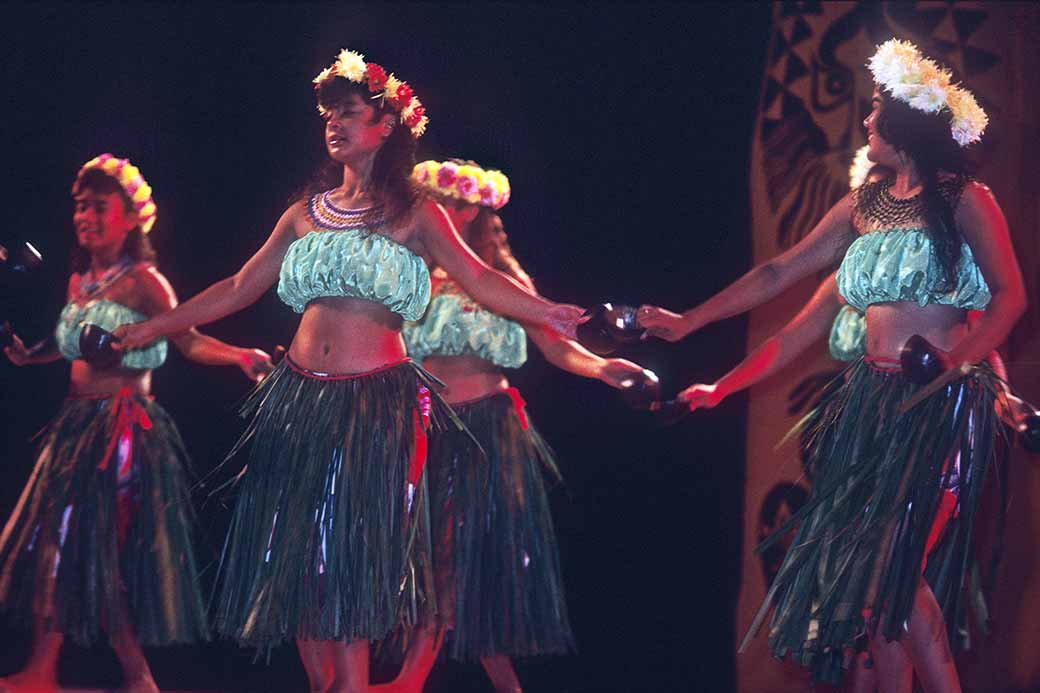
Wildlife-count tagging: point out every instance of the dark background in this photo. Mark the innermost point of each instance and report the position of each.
(624, 130)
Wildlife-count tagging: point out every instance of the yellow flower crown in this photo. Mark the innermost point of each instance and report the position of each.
(132, 182)
(387, 88)
(463, 181)
(900, 69)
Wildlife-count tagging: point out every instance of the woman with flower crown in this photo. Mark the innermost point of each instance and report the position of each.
(918, 251)
(329, 531)
(499, 585)
(100, 540)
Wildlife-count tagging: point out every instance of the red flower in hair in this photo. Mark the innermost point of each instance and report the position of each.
(446, 176)
(402, 97)
(376, 77)
(417, 114)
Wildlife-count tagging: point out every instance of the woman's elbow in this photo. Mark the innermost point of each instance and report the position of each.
(1012, 301)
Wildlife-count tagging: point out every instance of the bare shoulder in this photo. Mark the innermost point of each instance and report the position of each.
(153, 287)
(295, 219)
(977, 194)
(75, 280)
(429, 215)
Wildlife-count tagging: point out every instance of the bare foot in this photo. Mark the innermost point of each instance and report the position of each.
(144, 684)
(28, 682)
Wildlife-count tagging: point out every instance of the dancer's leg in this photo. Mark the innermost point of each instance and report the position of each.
(41, 671)
(317, 662)
(500, 670)
(928, 646)
(893, 671)
(137, 676)
(350, 666)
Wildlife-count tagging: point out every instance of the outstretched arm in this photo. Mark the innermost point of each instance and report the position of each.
(44, 351)
(568, 355)
(809, 325)
(226, 296)
(499, 292)
(982, 223)
(821, 249)
(160, 298)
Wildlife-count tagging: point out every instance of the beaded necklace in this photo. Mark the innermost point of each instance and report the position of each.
(326, 215)
(94, 286)
(876, 205)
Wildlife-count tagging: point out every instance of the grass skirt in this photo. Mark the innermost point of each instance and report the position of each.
(105, 517)
(881, 480)
(497, 568)
(330, 534)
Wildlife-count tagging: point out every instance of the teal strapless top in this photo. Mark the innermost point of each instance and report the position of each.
(848, 336)
(455, 324)
(354, 263)
(900, 265)
(107, 315)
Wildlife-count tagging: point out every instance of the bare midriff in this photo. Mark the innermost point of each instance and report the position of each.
(87, 381)
(467, 377)
(889, 325)
(347, 335)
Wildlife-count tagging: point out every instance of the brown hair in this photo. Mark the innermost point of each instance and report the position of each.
(926, 139)
(487, 237)
(391, 179)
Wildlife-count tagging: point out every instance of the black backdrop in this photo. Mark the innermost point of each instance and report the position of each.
(624, 130)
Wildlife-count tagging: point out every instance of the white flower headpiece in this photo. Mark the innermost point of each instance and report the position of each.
(900, 69)
(463, 181)
(860, 168)
(386, 87)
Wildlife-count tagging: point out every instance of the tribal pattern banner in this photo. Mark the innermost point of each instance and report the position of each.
(816, 91)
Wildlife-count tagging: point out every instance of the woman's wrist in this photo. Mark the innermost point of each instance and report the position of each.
(691, 321)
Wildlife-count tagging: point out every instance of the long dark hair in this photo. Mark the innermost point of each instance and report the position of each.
(926, 139)
(136, 245)
(488, 239)
(391, 178)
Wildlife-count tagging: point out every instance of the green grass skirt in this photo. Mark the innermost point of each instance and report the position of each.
(83, 538)
(880, 478)
(330, 534)
(496, 562)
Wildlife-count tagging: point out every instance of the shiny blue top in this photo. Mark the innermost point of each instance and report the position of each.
(901, 265)
(848, 337)
(354, 263)
(455, 324)
(107, 315)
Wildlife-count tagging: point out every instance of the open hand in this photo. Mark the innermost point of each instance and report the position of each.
(17, 352)
(620, 374)
(700, 396)
(662, 323)
(134, 335)
(255, 363)
(565, 318)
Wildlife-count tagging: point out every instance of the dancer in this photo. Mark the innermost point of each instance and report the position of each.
(920, 250)
(328, 531)
(499, 587)
(100, 540)
(825, 314)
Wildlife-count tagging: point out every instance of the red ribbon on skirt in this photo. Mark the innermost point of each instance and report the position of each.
(420, 423)
(518, 406)
(128, 413)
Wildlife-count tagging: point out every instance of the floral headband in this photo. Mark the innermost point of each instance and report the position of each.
(900, 69)
(386, 87)
(462, 181)
(132, 182)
